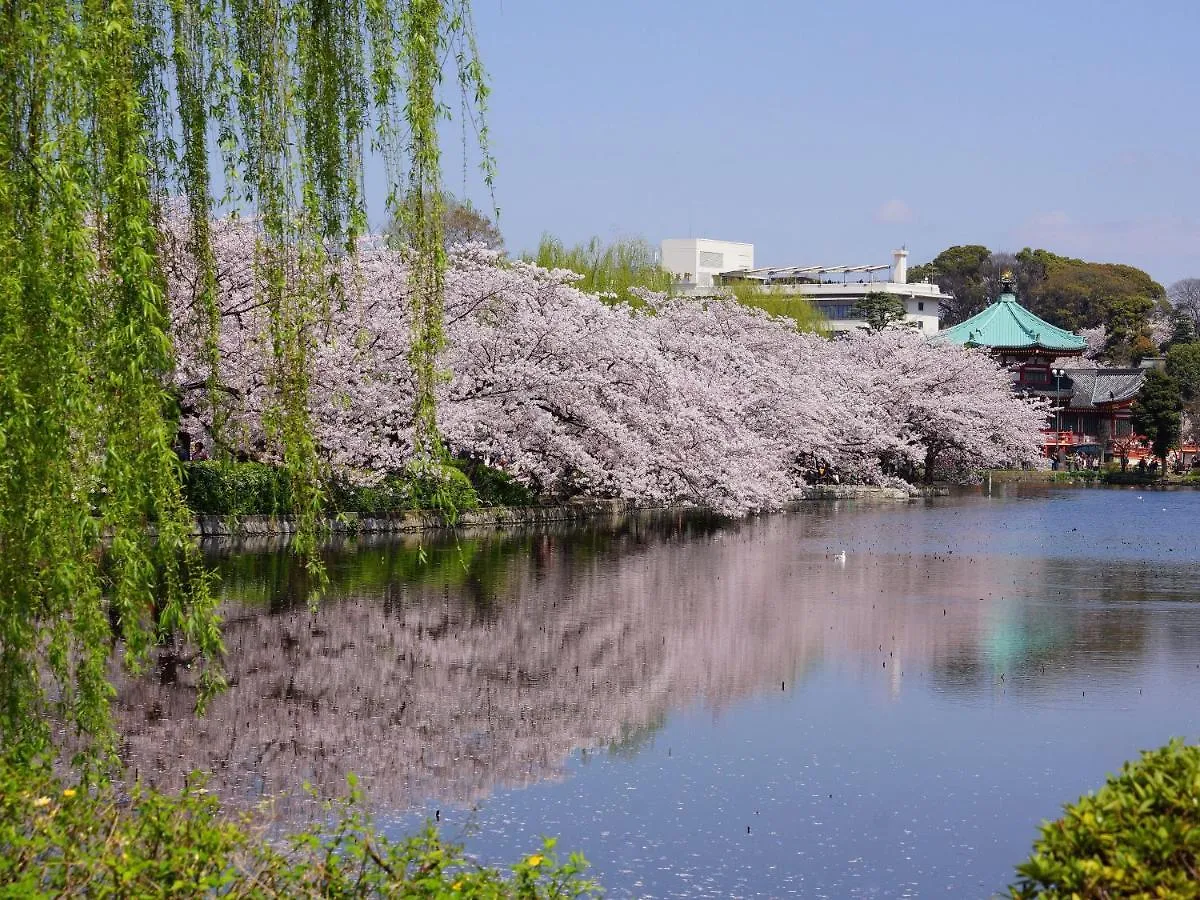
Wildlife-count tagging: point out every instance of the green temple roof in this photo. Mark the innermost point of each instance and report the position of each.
(1006, 324)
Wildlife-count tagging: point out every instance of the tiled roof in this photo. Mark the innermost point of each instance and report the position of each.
(1091, 387)
(1007, 324)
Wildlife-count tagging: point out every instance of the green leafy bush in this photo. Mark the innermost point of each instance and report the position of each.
(442, 487)
(90, 841)
(224, 489)
(1137, 837)
(496, 487)
(392, 494)
(445, 488)
(215, 488)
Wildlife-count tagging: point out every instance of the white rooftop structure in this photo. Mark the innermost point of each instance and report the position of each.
(834, 290)
(771, 273)
(700, 261)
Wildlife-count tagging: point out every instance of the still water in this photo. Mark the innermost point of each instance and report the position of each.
(717, 709)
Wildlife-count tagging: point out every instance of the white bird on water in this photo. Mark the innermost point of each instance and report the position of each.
(840, 557)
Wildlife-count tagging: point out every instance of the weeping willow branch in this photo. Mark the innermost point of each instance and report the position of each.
(108, 109)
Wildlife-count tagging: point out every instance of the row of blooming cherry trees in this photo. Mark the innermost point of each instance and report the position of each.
(704, 402)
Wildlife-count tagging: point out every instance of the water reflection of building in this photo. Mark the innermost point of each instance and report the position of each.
(492, 667)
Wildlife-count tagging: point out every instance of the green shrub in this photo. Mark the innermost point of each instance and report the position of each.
(1138, 836)
(215, 488)
(496, 487)
(90, 841)
(224, 489)
(444, 488)
(239, 489)
(390, 495)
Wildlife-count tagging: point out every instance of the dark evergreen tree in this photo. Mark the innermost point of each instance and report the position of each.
(879, 309)
(1183, 364)
(1157, 413)
(1183, 330)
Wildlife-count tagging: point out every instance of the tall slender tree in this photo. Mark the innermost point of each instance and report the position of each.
(1157, 413)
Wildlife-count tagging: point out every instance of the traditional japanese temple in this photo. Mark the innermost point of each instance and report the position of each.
(1023, 342)
(1092, 405)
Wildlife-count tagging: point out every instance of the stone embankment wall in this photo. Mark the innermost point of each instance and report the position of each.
(504, 517)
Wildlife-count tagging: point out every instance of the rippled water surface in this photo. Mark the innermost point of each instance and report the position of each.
(716, 709)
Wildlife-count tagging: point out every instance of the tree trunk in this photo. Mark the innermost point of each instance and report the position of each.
(930, 459)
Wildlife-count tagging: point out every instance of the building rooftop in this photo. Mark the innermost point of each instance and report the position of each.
(1006, 324)
(771, 273)
(1095, 387)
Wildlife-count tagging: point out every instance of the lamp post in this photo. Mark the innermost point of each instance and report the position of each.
(1058, 374)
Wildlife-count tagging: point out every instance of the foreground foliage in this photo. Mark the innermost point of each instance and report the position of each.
(107, 109)
(90, 840)
(1137, 837)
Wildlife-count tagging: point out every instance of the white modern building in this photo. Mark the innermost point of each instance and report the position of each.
(699, 261)
(834, 290)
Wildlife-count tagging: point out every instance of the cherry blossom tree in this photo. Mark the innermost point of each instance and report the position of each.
(676, 401)
(1097, 341)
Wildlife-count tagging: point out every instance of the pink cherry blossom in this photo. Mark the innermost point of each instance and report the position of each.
(678, 401)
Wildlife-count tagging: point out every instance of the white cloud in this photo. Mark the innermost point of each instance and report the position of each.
(894, 212)
(1050, 221)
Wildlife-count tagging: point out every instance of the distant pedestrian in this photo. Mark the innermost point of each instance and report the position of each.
(198, 452)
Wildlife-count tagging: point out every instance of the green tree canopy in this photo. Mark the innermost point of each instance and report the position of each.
(1157, 412)
(1074, 294)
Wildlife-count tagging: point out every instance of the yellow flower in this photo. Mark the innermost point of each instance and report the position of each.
(41, 801)
(535, 860)
(69, 793)
(457, 886)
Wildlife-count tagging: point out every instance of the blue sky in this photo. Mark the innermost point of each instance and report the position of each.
(831, 132)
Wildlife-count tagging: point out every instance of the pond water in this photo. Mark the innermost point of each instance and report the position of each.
(717, 709)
